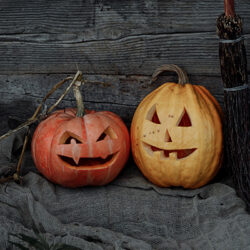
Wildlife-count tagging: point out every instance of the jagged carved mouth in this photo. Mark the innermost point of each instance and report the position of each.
(173, 153)
(69, 151)
(85, 162)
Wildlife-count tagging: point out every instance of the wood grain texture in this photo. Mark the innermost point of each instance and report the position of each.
(110, 37)
(117, 45)
(196, 52)
(112, 19)
(21, 94)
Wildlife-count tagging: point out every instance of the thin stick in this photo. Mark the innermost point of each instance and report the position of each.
(77, 77)
(27, 123)
(35, 116)
(22, 153)
(55, 87)
(229, 8)
(77, 80)
(3, 180)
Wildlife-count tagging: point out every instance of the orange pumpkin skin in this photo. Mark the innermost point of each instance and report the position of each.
(176, 136)
(79, 151)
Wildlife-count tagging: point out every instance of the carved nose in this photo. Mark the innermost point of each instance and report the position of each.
(168, 137)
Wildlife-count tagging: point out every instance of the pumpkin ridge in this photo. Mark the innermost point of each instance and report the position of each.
(215, 161)
(65, 130)
(102, 118)
(197, 104)
(212, 98)
(117, 121)
(90, 149)
(197, 128)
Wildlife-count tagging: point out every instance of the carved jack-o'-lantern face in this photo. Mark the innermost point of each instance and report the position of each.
(77, 151)
(176, 136)
(73, 150)
(150, 137)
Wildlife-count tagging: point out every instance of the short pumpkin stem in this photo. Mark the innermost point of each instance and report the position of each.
(182, 75)
(77, 93)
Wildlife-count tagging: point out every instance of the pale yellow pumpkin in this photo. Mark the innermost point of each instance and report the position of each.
(176, 134)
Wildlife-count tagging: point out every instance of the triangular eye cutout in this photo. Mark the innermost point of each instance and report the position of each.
(152, 115)
(102, 137)
(107, 132)
(67, 138)
(155, 118)
(185, 120)
(68, 141)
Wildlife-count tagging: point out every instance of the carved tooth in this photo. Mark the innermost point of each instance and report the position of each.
(75, 151)
(173, 155)
(158, 154)
(76, 158)
(104, 156)
(73, 141)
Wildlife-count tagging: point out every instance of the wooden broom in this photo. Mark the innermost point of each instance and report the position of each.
(233, 65)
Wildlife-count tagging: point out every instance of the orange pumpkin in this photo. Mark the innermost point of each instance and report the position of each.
(77, 151)
(176, 134)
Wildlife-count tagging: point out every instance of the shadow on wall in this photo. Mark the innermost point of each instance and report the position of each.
(15, 113)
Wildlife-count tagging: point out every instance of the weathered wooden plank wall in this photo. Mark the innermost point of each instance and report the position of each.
(117, 44)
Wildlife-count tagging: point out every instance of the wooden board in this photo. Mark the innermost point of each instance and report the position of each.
(113, 19)
(117, 45)
(21, 94)
(43, 53)
(111, 37)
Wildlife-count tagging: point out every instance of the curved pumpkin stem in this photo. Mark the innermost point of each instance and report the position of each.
(77, 93)
(182, 75)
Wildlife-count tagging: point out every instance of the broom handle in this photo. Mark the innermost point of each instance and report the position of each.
(229, 8)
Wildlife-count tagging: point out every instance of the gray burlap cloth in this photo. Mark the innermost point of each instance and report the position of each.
(129, 213)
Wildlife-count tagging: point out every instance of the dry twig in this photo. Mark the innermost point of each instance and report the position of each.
(36, 116)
